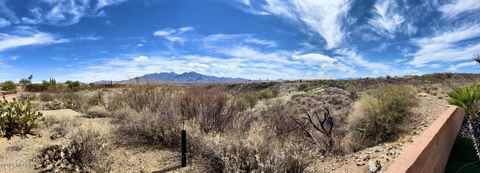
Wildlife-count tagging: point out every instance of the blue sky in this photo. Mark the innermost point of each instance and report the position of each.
(92, 40)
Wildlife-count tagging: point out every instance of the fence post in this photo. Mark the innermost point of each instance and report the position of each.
(184, 148)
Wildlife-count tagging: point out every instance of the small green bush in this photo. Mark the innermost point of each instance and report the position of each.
(269, 93)
(34, 87)
(8, 85)
(17, 117)
(73, 85)
(379, 116)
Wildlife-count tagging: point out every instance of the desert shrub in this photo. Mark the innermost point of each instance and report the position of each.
(35, 87)
(27, 97)
(214, 111)
(73, 85)
(148, 97)
(88, 151)
(305, 94)
(114, 101)
(269, 93)
(73, 101)
(160, 128)
(96, 99)
(8, 86)
(240, 156)
(152, 120)
(250, 101)
(275, 159)
(51, 85)
(97, 111)
(54, 105)
(46, 97)
(18, 117)
(378, 117)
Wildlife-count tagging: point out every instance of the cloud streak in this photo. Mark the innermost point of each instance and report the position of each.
(449, 46)
(27, 38)
(323, 17)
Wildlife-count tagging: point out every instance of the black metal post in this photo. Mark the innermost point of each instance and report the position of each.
(184, 148)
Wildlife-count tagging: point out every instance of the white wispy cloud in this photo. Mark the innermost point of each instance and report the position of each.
(352, 57)
(323, 17)
(267, 43)
(461, 65)
(27, 37)
(457, 7)
(449, 46)
(387, 18)
(4, 22)
(173, 35)
(66, 12)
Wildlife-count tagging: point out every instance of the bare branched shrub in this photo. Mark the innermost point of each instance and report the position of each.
(321, 122)
(379, 116)
(152, 120)
(90, 148)
(214, 111)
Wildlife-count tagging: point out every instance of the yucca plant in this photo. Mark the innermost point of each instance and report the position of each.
(18, 117)
(468, 98)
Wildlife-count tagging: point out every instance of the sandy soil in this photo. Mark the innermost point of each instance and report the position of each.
(10, 97)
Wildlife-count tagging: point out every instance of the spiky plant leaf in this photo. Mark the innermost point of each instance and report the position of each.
(466, 97)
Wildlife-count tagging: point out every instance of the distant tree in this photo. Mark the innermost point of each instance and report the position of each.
(30, 78)
(24, 81)
(8, 86)
(51, 84)
(73, 85)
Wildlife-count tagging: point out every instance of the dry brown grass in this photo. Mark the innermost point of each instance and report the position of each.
(97, 112)
(213, 111)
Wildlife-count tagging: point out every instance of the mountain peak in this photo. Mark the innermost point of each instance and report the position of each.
(186, 77)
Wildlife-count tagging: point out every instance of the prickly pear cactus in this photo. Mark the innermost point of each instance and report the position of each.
(18, 117)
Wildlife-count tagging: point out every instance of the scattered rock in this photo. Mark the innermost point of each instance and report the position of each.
(391, 152)
(422, 94)
(364, 157)
(359, 163)
(374, 166)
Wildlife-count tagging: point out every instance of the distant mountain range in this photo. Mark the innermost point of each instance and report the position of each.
(185, 78)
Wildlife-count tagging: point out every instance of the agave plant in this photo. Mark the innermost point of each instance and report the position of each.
(468, 98)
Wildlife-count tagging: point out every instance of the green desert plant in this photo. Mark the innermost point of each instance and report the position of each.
(468, 98)
(18, 117)
(73, 85)
(378, 117)
(8, 86)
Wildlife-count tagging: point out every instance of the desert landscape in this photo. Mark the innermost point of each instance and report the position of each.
(282, 126)
(240, 86)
